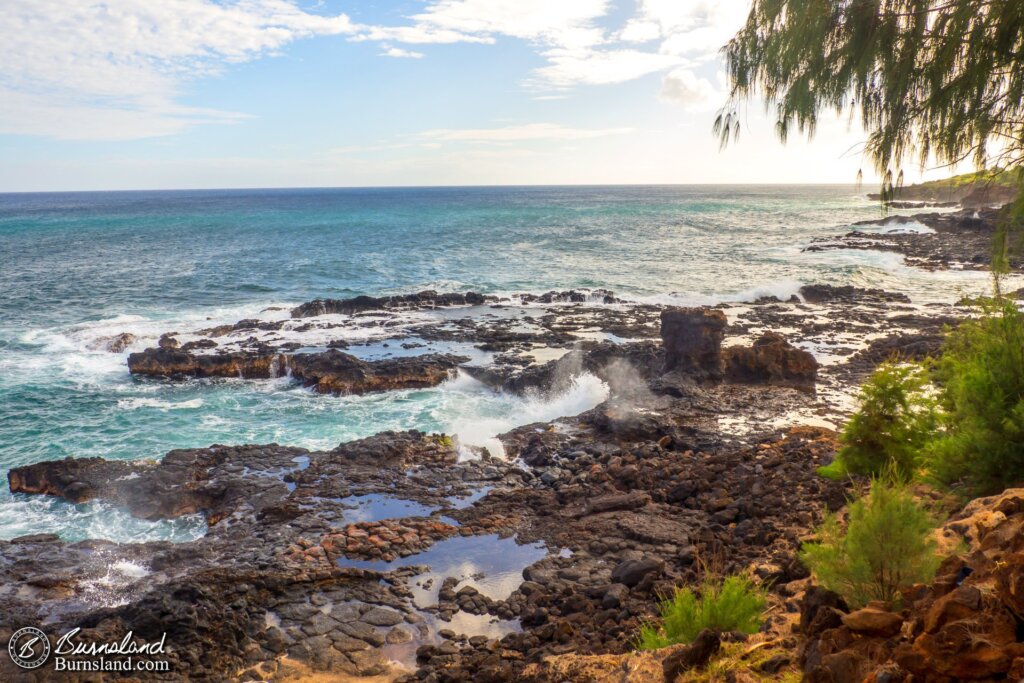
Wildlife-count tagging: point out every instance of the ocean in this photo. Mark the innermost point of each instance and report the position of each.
(78, 267)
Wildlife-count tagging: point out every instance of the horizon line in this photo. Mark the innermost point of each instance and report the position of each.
(427, 187)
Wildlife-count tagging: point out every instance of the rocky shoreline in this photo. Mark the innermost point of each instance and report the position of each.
(348, 563)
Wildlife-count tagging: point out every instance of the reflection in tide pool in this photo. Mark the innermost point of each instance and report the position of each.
(374, 507)
(491, 564)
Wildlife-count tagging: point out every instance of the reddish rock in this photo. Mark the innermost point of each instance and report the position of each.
(873, 622)
(962, 626)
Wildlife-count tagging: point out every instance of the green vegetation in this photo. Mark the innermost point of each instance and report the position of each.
(444, 440)
(730, 604)
(959, 423)
(886, 545)
(981, 375)
(932, 81)
(895, 421)
(994, 178)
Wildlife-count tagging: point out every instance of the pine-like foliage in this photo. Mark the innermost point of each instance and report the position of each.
(886, 545)
(730, 604)
(943, 77)
(981, 373)
(888, 433)
(940, 79)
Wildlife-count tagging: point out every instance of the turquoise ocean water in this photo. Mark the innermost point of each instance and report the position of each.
(77, 267)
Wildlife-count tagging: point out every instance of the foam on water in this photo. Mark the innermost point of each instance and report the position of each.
(477, 415)
(21, 515)
(782, 289)
(135, 403)
(114, 587)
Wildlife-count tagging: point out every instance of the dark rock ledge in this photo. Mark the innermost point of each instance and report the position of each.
(329, 372)
(961, 239)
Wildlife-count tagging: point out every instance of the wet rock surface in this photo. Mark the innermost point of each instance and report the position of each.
(959, 239)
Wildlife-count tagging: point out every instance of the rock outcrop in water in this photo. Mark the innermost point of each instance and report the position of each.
(116, 344)
(175, 363)
(956, 240)
(328, 372)
(362, 304)
(334, 372)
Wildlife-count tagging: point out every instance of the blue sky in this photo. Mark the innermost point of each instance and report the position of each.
(133, 94)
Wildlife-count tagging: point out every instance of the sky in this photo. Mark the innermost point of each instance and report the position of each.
(155, 94)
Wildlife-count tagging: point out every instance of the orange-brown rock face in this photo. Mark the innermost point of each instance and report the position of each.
(964, 626)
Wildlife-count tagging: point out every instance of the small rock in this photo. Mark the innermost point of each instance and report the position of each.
(632, 572)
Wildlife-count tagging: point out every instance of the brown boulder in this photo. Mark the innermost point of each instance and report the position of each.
(872, 621)
(820, 609)
(770, 360)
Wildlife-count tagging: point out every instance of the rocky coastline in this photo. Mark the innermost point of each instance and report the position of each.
(344, 564)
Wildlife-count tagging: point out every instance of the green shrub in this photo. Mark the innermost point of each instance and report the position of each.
(730, 604)
(889, 431)
(886, 545)
(981, 373)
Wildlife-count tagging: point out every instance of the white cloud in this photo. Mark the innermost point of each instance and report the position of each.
(114, 70)
(400, 53)
(568, 34)
(566, 23)
(600, 67)
(684, 87)
(639, 31)
(565, 32)
(520, 133)
(675, 17)
(118, 69)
